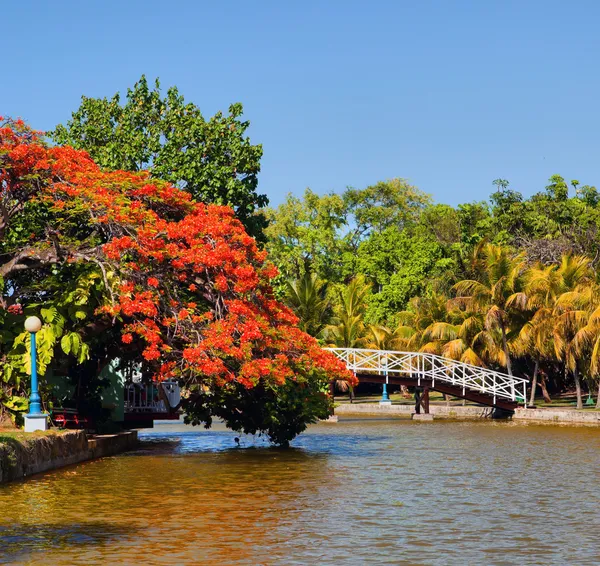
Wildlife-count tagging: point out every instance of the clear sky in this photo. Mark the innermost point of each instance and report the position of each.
(450, 94)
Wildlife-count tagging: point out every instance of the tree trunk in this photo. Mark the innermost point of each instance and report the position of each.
(545, 393)
(534, 383)
(505, 348)
(578, 388)
(598, 401)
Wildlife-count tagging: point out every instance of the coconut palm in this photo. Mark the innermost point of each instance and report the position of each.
(560, 297)
(348, 329)
(307, 297)
(465, 339)
(587, 342)
(497, 293)
(383, 338)
(422, 312)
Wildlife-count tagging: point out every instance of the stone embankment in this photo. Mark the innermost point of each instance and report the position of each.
(439, 411)
(560, 416)
(40, 454)
(547, 415)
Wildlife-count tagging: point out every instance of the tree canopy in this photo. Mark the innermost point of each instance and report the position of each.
(121, 264)
(212, 159)
(510, 283)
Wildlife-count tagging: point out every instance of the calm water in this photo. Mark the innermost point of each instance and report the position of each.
(356, 492)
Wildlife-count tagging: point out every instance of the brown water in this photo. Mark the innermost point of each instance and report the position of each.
(357, 492)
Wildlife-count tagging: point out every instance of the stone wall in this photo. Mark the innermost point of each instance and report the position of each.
(564, 416)
(40, 454)
(548, 415)
(439, 411)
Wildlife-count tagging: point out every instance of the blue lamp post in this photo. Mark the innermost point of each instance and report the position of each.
(385, 398)
(35, 419)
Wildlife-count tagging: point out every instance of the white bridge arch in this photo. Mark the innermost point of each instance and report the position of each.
(431, 369)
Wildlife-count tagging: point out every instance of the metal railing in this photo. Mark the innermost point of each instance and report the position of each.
(143, 398)
(431, 367)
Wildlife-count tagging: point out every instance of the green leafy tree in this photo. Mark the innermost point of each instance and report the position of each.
(120, 265)
(212, 159)
(385, 204)
(399, 264)
(307, 235)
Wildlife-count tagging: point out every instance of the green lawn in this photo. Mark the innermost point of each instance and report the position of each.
(9, 436)
(564, 401)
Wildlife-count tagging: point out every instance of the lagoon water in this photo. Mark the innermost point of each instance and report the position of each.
(362, 491)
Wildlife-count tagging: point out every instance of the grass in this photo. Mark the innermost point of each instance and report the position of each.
(565, 401)
(8, 436)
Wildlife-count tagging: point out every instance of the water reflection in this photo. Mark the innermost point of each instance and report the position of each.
(18, 540)
(377, 492)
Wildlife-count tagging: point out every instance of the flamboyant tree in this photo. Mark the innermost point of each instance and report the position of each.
(122, 265)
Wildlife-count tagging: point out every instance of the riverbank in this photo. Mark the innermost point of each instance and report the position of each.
(467, 412)
(24, 455)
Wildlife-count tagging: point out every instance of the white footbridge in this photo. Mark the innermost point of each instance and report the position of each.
(435, 372)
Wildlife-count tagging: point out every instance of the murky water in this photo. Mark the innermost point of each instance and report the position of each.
(356, 492)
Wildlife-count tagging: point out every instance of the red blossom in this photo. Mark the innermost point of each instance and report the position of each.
(15, 309)
(152, 234)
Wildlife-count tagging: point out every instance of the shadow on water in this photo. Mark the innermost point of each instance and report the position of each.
(19, 541)
(316, 444)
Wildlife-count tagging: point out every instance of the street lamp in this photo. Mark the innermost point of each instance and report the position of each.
(385, 399)
(35, 419)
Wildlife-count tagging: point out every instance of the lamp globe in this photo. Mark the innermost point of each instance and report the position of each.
(33, 324)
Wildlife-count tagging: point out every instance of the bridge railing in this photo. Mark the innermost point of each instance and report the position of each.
(431, 367)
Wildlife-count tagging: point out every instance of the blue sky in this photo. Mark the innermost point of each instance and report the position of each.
(448, 94)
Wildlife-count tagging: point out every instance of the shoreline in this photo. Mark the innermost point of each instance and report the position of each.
(475, 412)
(21, 459)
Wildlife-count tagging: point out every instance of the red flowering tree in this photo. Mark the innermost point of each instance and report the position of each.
(124, 266)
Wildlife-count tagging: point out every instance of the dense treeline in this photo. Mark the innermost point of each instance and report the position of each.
(510, 284)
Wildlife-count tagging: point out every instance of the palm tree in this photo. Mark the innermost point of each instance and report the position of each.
(348, 329)
(552, 293)
(307, 297)
(497, 293)
(383, 338)
(561, 296)
(535, 340)
(422, 312)
(587, 341)
(465, 339)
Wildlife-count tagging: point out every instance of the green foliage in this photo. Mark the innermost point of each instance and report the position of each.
(456, 281)
(307, 235)
(64, 302)
(307, 297)
(212, 159)
(399, 264)
(392, 203)
(348, 329)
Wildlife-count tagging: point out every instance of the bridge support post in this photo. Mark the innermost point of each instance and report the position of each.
(422, 400)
